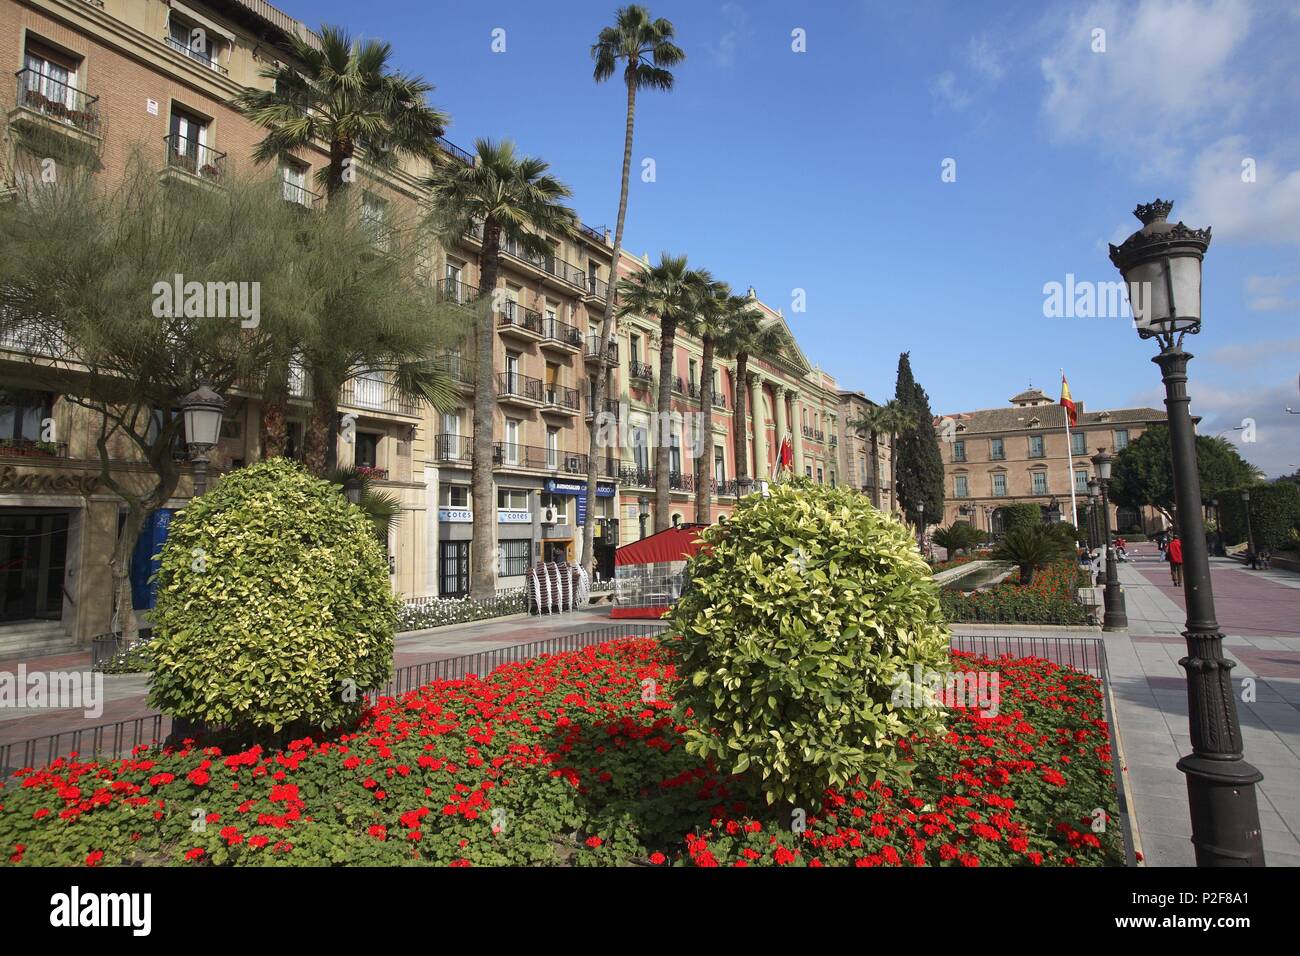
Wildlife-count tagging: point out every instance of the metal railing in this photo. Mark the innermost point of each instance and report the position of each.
(611, 408)
(376, 394)
(458, 367)
(453, 290)
(560, 396)
(32, 448)
(299, 195)
(514, 315)
(193, 157)
(515, 385)
(642, 370)
(451, 149)
(592, 232)
(549, 263)
(197, 54)
(593, 349)
(57, 100)
(634, 475)
(555, 331)
(597, 287)
(719, 400)
(453, 449)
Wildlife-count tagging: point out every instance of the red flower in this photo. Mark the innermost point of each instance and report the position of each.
(657, 858)
(594, 841)
(92, 859)
(195, 854)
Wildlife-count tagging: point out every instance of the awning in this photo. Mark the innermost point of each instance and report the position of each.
(672, 544)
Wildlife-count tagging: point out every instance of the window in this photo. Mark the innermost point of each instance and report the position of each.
(1081, 482)
(693, 369)
(820, 475)
(1121, 439)
(807, 470)
(634, 348)
(552, 324)
(194, 41)
(366, 454)
(559, 502)
(832, 479)
(552, 447)
(513, 385)
(641, 447)
(1078, 443)
(48, 82)
(959, 451)
(514, 557)
(675, 455)
(1040, 482)
(512, 499)
(293, 178)
(719, 463)
(999, 484)
(512, 441)
(962, 489)
(453, 496)
(1035, 446)
(189, 136)
(996, 450)
(374, 217)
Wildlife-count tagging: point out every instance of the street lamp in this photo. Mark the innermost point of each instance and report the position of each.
(352, 486)
(1250, 532)
(644, 504)
(1116, 618)
(202, 410)
(920, 522)
(1094, 503)
(1161, 265)
(1218, 527)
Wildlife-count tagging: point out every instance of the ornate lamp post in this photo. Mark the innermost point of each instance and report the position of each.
(352, 489)
(920, 528)
(1094, 502)
(1161, 264)
(202, 409)
(1250, 532)
(1116, 618)
(644, 504)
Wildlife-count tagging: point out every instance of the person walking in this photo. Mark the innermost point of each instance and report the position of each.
(1175, 553)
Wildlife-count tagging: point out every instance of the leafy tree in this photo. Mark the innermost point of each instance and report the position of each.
(344, 94)
(513, 198)
(645, 48)
(1274, 514)
(1142, 474)
(918, 463)
(1023, 514)
(80, 286)
(888, 419)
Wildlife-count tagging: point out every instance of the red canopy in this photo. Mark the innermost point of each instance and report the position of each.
(672, 544)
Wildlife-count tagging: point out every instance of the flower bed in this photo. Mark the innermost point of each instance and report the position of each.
(1049, 600)
(577, 759)
(435, 612)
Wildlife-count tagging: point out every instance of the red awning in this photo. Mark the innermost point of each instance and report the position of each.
(673, 544)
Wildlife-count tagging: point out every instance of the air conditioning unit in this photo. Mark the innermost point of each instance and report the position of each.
(550, 516)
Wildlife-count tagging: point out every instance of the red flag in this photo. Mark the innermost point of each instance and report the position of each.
(1067, 402)
(784, 457)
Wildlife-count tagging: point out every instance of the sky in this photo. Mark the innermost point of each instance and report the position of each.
(919, 173)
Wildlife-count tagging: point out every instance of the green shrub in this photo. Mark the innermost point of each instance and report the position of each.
(958, 536)
(1032, 547)
(804, 612)
(274, 606)
(1274, 514)
(1021, 515)
(1070, 536)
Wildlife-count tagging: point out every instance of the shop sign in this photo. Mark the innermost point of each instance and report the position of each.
(11, 482)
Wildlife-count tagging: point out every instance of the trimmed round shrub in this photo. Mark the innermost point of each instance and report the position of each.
(274, 606)
(808, 616)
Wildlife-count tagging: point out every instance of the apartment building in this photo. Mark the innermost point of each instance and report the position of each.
(97, 81)
(864, 462)
(999, 456)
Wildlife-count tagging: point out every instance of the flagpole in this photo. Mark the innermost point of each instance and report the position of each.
(1069, 455)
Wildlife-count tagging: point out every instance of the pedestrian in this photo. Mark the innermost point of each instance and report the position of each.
(1176, 560)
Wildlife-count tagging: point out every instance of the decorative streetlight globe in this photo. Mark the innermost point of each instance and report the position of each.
(202, 409)
(1116, 617)
(1161, 265)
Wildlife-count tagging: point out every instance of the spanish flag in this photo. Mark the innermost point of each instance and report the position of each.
(1067, 402)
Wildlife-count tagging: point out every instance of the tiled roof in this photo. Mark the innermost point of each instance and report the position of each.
(1049, 417)
(1031, 395)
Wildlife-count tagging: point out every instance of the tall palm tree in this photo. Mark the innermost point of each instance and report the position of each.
(509, 197)
(667, 291)
(344, 94)
(750, 336)
(893, 420)
(645, 48)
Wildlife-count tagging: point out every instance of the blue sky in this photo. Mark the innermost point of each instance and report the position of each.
(821, 171)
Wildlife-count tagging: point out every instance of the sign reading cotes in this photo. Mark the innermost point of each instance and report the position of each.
(46, 483)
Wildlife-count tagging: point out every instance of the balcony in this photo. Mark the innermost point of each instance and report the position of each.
(46, 105)
(635, 476)
(561, 336)
(592, 233)
(453, 450)
(537, 458)
(734, 487)
(719, 399)
(593, 350)
(560, 400)
(640, 371)
(516, 389)
(611, 408)
(459, 368)
(550, 266)
(455, 152)
(371, 472)
(30, 448)
(679, 386)
(373, 393)
(197, 55)
(597, 289)
(520, 323)
(191, 160)
(455, 291)
(299, 195)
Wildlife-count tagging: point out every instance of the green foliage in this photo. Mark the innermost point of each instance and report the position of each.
(958, 536)
(804, 609)
(1021, 515)
(1274, 514)
(918, 464)
(1143, 472)
(274, 605)
(1070, 536)
(1031, 547)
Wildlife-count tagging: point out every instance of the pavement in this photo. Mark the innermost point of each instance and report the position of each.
(1259, 613)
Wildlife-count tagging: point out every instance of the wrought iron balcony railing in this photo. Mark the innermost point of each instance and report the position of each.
(514, 315)
(561, 396)
(57, 100)
(641, 370)
(553, 330)
(453, 449)
(194, 158)
(514, 385)
(198, 54)
(593, 349)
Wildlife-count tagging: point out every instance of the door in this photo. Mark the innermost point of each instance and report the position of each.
(33, 554)
(453, 569)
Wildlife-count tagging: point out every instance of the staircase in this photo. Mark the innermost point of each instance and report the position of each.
(34, 638)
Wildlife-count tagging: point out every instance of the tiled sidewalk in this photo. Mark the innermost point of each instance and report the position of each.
(1261, 617)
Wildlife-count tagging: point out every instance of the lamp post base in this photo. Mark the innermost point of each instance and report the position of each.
(1219, 791)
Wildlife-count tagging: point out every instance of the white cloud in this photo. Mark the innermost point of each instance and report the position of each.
(1249, 355)
(1267, 209)
(738, 32)
(945, 89)
(1276, 448)
(985, 57)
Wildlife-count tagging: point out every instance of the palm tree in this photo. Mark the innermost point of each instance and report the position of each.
(750, 336)
(344, 94)
(667, 291)
(893, 420)
(645, 48)
(509, 197)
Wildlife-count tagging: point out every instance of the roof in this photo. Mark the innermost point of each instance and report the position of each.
(1031, 394)
(671, 544)
(1049, 417)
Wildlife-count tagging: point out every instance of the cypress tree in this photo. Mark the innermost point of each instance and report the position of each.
(919, 464)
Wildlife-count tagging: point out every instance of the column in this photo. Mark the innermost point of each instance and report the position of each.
(761, 468)
(778, 401)
(797, 431)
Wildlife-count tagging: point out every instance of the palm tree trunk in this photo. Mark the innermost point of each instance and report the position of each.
(875, 470)
(483, 571)
(274, 426)
(316, 440)
(893, 472)
(601, 391)
(663, 428)
(739, 427)
(704, 453)
(342, 151)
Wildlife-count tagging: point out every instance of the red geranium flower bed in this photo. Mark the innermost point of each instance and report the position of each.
(577, 759)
